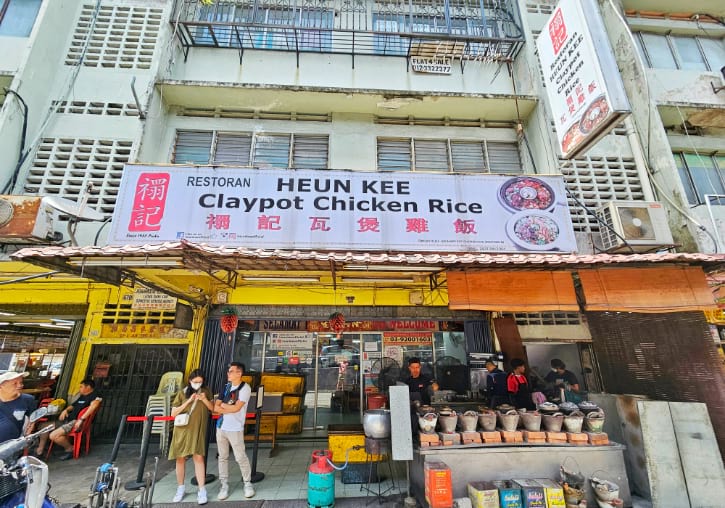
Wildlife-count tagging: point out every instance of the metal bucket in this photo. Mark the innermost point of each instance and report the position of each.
(594, 421)
(532, 421)
(553, 422)
(469, 421)
(487, 420)
(448, 422)
(509, 421)
(573, 422)
(427, 423)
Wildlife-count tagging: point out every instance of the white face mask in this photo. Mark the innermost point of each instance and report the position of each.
(554, 370)
(195, 386)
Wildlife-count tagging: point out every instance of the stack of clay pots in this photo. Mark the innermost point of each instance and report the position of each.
(487, 419)
(447, 419)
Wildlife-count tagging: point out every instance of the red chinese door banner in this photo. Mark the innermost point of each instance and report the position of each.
(328, 210)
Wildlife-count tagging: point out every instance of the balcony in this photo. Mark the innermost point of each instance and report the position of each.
(453, 30)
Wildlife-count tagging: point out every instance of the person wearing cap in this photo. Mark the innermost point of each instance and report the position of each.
(15, 406)
(496, 384)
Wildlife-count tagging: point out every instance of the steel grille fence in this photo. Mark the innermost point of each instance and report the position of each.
(669, 357)
(134, 375)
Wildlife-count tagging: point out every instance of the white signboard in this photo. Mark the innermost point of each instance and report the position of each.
(294, 209)
(148, 299)
(431, 65)
(290, 340)
(583, 84)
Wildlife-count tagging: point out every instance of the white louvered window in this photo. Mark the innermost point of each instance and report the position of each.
(405, 154)
(305, 151)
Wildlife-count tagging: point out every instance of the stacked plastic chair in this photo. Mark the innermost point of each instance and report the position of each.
(159, 404)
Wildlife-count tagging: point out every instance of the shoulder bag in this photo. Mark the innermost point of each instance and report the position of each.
(182, 419)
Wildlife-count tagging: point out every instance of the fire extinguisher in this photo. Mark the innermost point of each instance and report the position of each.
(321, 480)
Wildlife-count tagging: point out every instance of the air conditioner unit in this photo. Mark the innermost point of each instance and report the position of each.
(633, 225)
(25, 219)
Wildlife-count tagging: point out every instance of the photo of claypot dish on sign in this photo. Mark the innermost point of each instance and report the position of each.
(532, 225)
(595, 113)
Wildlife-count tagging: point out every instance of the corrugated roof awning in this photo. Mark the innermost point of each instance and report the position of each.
(119, 264)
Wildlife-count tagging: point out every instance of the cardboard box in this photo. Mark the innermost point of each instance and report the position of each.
(553, 492)
(438, 485)
(532, 493)
(483, 495)
(509, 494)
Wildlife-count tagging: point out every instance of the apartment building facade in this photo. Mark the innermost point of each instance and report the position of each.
(385, 87)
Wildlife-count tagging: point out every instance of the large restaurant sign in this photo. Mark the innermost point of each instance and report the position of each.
(294, 209)
(583, 85)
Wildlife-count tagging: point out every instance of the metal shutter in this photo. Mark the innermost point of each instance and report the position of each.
(504, 158)
(192, 147)
(232, 149)
(272, 150)
(431, 155)
(394, 154)
(310, 152)
(468, 157)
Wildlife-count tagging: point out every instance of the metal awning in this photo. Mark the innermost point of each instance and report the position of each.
(151, 264)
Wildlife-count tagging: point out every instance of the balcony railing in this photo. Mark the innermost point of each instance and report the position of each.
(466, 30)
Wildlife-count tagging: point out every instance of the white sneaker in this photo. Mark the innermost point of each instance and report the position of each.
(248, 489)
(201, 497)
(180, 491)
(223, 492)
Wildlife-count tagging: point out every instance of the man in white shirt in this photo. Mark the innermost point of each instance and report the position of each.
(232, 406)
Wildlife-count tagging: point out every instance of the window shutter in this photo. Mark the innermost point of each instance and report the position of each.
(272, 150)
(393, 154)
(192, 147)
(310, 152)
(232, 149)
(504, 158)
(468, 157)
(431, 155)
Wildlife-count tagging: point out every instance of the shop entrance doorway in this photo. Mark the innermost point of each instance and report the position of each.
(125, 375)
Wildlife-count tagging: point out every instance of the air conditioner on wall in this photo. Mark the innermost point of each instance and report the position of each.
(25, 219)
(642, 224)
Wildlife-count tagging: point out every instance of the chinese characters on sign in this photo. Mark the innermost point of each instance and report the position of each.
(307, 209)
(583, 84)
(148, 299)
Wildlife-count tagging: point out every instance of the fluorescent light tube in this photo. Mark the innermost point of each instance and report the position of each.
(272, 278)
(377, 279)
(150, 262)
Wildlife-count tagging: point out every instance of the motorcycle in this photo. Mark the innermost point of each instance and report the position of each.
(24, 479)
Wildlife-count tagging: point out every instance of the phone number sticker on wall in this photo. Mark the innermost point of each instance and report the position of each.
(431, 65)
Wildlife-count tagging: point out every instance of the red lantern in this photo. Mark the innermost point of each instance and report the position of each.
(229, 320)
(337, 322)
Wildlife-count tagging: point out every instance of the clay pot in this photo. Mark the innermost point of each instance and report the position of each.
(552, 422)
(448, 422)
(469, 421)
(573, 422)
(547, 408)
(594, 421)
(532, 420)
(487, 420)
(509, 420)
(587, 407)
(427, 423)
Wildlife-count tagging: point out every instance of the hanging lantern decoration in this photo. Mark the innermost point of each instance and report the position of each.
(337, 322)
(229, 321)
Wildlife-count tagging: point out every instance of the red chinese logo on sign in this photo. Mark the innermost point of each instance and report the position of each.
(149, 201)
(557, 31)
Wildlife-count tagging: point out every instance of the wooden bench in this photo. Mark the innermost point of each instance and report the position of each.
(267, 429)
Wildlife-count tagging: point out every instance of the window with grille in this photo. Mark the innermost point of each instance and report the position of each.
(702, 175)
(446, 155)
(122, 37)
(672, 51)
(301, 151)
(595, 181)
(65, 166)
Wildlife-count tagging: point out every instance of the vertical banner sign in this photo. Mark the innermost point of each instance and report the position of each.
(583, 84)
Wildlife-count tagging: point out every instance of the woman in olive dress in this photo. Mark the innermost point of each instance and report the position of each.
(195, 399)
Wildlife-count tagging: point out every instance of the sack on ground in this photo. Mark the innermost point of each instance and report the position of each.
(181, 420)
